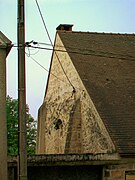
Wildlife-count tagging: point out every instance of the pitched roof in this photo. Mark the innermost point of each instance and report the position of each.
(106, 65)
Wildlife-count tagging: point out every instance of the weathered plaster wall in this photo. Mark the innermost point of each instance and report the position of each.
(72, 124)
(3, 128)
(41, 130)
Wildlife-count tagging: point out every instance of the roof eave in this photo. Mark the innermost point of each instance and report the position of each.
(128, 155)
(5, 43)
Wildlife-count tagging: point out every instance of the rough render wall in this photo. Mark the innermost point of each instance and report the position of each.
(74, 135)
(3, 128)
(41, 130)
(72, 124)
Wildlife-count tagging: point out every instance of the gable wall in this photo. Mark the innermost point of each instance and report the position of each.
(72, 124)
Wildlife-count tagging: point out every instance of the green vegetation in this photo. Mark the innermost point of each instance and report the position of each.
(12, 128)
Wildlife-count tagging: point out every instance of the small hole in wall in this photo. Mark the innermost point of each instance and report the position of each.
(57, 124)
(108, 80)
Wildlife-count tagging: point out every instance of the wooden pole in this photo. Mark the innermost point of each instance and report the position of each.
(22, 93)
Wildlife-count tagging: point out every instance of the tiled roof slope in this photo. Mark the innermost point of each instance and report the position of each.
(106, 65)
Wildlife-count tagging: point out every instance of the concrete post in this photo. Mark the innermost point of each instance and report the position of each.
(5, 46)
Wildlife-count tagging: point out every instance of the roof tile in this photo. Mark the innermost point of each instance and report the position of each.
(106, 65)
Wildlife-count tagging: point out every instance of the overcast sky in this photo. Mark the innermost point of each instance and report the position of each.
(116, 16)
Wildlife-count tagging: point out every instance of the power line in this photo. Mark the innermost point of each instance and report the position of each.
(44, 22)
(71, 49)
(86, 51)
(93, 53)
(47, 44)
(83, 51)
(38, 63)
(45, 69)
(52, 43)
(74, 89)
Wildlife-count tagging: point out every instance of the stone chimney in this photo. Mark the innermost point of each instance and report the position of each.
(64, 27)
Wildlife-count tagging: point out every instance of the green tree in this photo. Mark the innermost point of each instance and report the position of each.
(12, 128)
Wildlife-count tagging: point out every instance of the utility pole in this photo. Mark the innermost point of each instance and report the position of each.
(22, 168)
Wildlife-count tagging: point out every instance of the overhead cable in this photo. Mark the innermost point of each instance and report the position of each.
(44, 22)
(52, 43)
(46, 69)
(91, 53)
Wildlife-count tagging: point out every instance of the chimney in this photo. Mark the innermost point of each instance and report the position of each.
(64, 27)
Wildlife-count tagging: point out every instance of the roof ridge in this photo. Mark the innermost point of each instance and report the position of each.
(98, 33)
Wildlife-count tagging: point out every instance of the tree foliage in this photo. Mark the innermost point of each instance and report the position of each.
(12, 128)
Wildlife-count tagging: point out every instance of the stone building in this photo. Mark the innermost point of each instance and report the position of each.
(89, 104)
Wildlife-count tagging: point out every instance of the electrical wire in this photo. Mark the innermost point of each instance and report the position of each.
(72, 48)
(52, 43)
(46, 69)
(47, 44)
(83, 51)
(29, 56)
(27, 44)
(43, 22)
(86, 51)
(93, 53)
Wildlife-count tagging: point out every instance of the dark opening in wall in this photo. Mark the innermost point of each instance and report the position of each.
(57, 124)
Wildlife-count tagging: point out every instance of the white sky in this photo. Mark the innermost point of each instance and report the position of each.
(116, 16)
